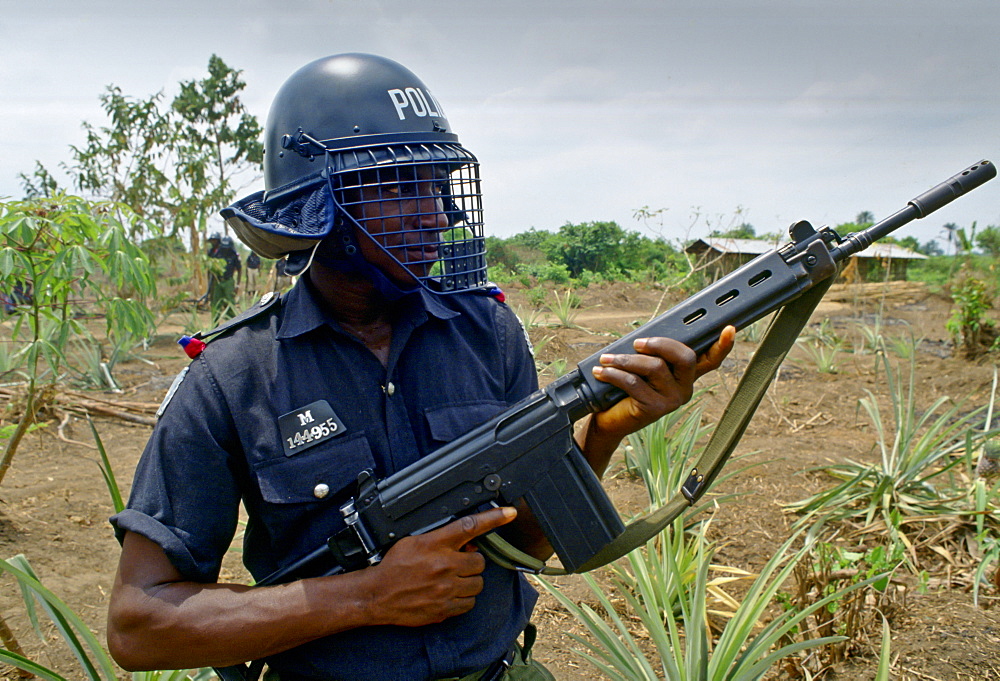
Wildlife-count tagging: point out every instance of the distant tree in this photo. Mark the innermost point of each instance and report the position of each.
(125, 161)
(537, 240)
(865, 218)
(989, 240)
(593, 246)
(216, 142)
(950, 228)
(174, 165)
(40, 184)
(910, 242)
(742, 231)
(931, 247)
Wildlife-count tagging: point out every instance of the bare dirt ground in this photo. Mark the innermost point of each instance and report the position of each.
(54, 505)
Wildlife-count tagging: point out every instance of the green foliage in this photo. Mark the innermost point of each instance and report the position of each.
(95, 663)
(964, 240)
(865, 218)
(555, 368)
(828, 572)
(175, 164)
(124, 161)
(40, 183)
(593, 246)
(565, 308)
(910, 242)
(537, 297)
(822, 346)
(872, 339)
(68, 253)
(110, 481)
(216, 141)
(969, 326)
(941, 272)
(555, 273)
(662, 452)
(826, 358)
(742, 231)
(72, 253)
(904, 346)
(989, 240)
(916, 448)
(885, 653)
(744, 650)
(583, 253)
(985, 506)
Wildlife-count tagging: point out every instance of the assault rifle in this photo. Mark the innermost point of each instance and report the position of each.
(528, 451)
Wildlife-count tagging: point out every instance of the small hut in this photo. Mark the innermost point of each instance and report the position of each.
(723, 255)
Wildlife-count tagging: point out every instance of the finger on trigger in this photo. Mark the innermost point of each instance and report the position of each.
(462, 531)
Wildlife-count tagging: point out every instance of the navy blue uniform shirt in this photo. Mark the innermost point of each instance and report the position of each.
(454, 362)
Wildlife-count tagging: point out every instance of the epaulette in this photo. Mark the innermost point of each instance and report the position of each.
(491, 289)
(193, 345)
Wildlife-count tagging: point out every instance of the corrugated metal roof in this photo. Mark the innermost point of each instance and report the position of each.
(757, 247)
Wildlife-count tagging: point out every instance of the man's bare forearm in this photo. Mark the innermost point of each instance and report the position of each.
(180, 624)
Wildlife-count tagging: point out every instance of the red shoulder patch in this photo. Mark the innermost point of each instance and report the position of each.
(192, 346)
(497, 293)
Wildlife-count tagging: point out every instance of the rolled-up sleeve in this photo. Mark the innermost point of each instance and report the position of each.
(185, 494)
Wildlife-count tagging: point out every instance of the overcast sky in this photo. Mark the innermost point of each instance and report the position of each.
(582, 110)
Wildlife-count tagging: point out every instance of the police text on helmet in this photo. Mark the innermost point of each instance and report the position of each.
(420, 102)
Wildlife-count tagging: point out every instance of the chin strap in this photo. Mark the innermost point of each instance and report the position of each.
(357, 264)
(779, 339)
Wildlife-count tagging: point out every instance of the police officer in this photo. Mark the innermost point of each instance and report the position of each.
(390, 344)
(222, 278)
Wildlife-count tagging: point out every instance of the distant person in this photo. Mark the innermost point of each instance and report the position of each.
(282, 277)
(222, 277)
(251, 273)
(20, 294)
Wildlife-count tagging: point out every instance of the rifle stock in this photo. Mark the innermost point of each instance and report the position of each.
(528, 451)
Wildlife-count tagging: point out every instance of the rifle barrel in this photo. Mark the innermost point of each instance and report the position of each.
(920, 207)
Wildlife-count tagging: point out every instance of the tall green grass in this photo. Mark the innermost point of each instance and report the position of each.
(682, 645)
(917, 449)
(94, 662)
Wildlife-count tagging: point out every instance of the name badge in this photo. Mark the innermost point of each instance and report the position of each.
(308, 426)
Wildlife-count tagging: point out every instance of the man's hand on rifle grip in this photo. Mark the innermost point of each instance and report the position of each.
(430, 577)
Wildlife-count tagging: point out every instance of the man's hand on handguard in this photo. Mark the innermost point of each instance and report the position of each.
(658, 379)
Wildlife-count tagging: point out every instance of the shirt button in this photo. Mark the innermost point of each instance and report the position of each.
(321, 490)
(390, 389)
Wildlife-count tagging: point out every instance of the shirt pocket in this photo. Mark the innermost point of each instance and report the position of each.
(316, 474)
(449, 421)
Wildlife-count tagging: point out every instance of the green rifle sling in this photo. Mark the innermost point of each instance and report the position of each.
(778, 340)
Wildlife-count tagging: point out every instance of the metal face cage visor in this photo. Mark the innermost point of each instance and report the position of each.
(419, 207)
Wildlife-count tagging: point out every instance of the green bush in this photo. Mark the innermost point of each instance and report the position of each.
(970, 327)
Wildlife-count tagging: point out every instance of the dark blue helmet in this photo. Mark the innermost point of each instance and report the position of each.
(358, 148)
